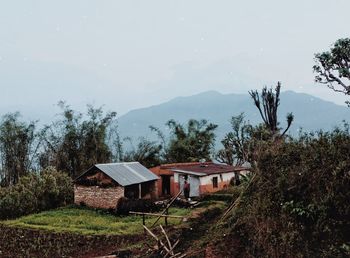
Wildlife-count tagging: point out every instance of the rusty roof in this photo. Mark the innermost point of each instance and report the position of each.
(202, 168)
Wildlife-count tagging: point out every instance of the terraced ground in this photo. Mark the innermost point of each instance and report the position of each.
(82, 232)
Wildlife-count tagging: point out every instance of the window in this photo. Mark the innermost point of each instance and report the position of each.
(215, 182)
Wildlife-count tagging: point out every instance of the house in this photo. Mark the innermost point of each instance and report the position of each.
(204, 177)
(102, 185)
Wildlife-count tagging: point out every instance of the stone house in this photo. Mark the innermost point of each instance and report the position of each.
(204, 177)
(102, 185)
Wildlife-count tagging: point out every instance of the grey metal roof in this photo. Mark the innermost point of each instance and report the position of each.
(127, 173)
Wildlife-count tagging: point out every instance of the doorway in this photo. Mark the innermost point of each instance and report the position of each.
(165, 185)
(194, 184)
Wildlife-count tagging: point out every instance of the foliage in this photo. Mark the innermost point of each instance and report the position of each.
(148, 153)
(268, 107)
(73, 144)
(296, 203)
(18, 148)
(188, 143)
(236, 143)
(333, 67)
(36, 192)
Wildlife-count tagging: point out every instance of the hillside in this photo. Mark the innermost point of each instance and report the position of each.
(310, 113)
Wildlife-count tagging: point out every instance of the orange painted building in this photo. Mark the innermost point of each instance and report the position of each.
(204, 177)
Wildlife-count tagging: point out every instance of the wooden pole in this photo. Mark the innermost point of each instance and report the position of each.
(166, 218)
(167, 239)
(156, 214)
(167, 207)
(140, 189)
(172, 248)
(158, 240)
(143, 223)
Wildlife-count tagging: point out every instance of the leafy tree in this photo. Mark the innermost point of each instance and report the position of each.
(18, 148)
(267, 103)
(73, 144)
(191, 143)
(146, 152)
(333, 67)
(236, 143)
(188, 143)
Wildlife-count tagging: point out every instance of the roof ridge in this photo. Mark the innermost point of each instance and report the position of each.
(186, 164)
(117, 163)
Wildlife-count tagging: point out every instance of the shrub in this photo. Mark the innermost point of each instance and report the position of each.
(297, 204)
(36, 192)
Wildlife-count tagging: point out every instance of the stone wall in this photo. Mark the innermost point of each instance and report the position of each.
(98, 197)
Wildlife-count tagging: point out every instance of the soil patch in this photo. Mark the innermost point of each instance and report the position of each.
(25, 242)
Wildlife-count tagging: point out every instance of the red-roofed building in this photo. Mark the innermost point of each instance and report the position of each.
(204, 177)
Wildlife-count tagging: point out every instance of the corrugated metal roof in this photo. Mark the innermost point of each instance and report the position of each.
(127, 173)
(198, 168)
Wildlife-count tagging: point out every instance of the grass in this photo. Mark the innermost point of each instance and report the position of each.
(89, 222)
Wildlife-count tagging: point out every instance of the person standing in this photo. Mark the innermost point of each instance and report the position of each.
(187, 189)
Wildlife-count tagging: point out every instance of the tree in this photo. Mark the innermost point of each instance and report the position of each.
(191, 142)
(267, 103)
(18, 148)
(236, 143)
(73, 144)
(146, 152)
(333, 67)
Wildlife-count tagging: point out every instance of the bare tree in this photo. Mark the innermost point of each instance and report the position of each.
(267, 103)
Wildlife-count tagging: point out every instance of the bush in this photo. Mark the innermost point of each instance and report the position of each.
(36, 192)
(219, 197)
(297, 204)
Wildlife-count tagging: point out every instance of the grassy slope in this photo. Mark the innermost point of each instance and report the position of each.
(88, 222)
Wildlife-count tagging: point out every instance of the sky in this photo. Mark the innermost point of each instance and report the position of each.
(131, 54)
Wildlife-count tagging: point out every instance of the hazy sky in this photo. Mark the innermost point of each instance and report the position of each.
(130, 54)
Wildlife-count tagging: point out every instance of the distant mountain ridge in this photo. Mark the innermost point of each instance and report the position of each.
(311, 113)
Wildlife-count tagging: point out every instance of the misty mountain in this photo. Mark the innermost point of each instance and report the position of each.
(310, 113)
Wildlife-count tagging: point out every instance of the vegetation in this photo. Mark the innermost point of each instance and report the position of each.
(36, 192)
(333, 67)
(267, 104)
(296, 202)
(148, 153)
(26, 242)
(18, 145)
(88, 221)
(188, 143)
(236, 143)
(73, 144)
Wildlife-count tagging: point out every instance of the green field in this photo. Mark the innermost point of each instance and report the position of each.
(89, 222)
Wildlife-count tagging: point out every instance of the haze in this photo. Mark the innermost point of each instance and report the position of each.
(131, 54)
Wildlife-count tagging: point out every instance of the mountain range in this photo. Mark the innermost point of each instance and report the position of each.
(310, 113)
